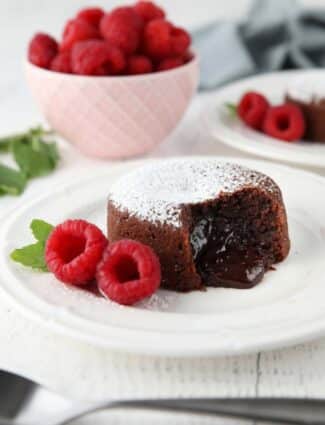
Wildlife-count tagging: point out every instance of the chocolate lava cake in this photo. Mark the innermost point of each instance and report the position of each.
(309, 95)
(211, 223)
(314, 113)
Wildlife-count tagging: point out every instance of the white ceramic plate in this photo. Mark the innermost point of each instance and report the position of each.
(233, 132)
(286, 308)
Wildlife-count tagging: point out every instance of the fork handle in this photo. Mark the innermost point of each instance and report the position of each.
(277, 411)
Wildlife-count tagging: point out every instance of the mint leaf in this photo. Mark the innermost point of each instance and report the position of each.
(41, 230)
(4, 145)
(34, 255)
(232, 108)
(31, 256)
(38, 132)
(34, 156)
(12, 182)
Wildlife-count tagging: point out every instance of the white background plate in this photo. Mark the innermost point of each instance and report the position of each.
(286, 308)
(233, 132)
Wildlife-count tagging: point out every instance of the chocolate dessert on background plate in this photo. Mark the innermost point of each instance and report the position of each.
(309, 95)
(211, 223)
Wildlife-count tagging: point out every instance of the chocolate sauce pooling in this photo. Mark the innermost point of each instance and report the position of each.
(226, 252)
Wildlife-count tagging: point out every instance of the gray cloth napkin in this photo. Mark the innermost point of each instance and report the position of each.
(277, 34)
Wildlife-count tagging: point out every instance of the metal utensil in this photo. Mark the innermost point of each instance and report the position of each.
(277, 411)
(14, 392)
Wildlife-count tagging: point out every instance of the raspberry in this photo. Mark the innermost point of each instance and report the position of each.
(188, 56)
(73, 251)
(162, 40)
(77, 30)
(285, 122)
(62, 63)
(148, 11)
(252, 109)
(170, 63)
(96, 57)
(92, 15)
(129, 272)
(138, 64)
(128, 14)
(157, 39)
(42, 49)
(118, 31)
(180, 41)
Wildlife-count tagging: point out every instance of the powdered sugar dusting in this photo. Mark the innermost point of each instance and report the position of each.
(156, 191)
(307, 88)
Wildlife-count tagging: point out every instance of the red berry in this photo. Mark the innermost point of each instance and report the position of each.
(77, 30)
(285, 122)
(163, 40)
(148, 11)
(180, 41)
(73, 251)
(252, 109)
(139, 64)
(96, 57)
(170, 63)
(118, 32)
(42, 50)
(128, 14)
(92, 15)
(129, 272)
(62, 63)
(188, 56)
(157, 39)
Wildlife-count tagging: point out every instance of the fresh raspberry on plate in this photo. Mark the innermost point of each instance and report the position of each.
(73, 251)
(285, 122)
(163, 40)
(118, 31)
(170, 63)
(252, 109)
(97, 57)
(42, 50)
(92, 15)
(77, 30)
(138, 64)
(129, 272)
(62, 63)
(148, 10)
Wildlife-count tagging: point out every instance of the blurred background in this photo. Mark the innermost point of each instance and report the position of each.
(20, 19)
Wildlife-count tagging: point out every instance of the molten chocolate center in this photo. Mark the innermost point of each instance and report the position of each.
(231, 242)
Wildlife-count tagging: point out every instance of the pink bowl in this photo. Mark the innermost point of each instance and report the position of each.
(114, 117)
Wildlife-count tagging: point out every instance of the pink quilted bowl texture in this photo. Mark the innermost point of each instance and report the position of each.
(114, 117)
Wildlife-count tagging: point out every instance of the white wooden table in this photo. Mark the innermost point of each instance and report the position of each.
(78, 370)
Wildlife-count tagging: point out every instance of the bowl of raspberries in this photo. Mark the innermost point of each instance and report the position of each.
(118, 82)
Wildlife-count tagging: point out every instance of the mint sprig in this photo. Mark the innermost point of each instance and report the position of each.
(33, 255)
(232, 108)
(12, 182)
(34, 155)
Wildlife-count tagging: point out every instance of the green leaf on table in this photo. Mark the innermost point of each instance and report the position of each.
(4, 145)
(232, 108)
(31, 256)
(12, 182)
(34, 156)
(41, 230)
(34, 255)
(36, 132)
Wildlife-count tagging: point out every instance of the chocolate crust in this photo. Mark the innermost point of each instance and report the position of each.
(180, 271)
(314, 113)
